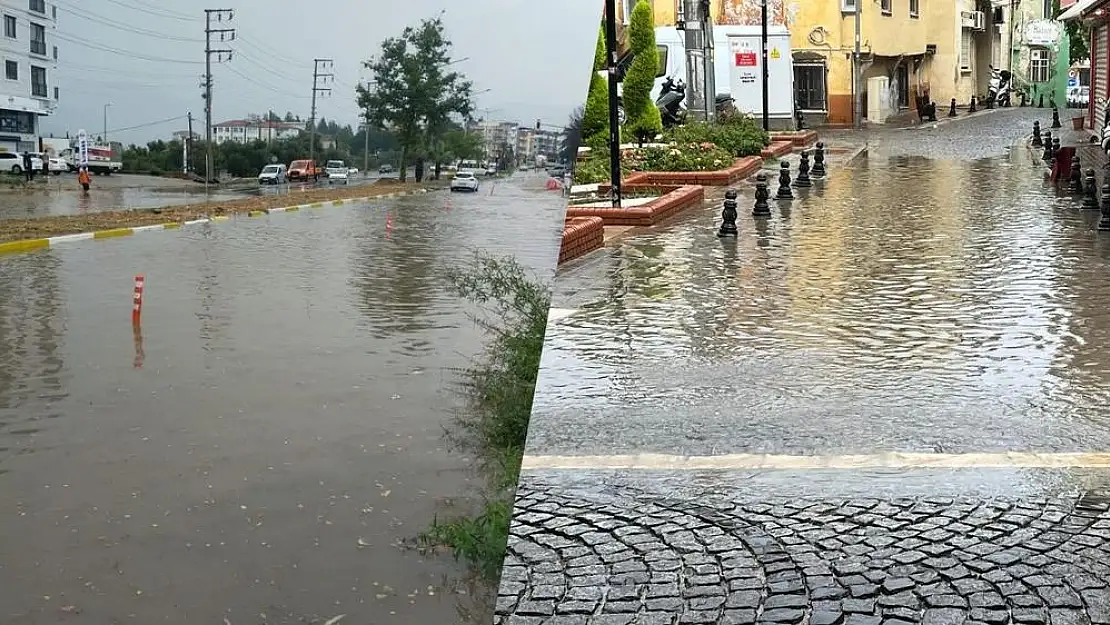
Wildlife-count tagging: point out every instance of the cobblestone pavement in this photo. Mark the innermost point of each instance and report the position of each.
(580, 559)
(927, 299)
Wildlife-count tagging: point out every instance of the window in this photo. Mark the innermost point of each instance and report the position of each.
(11, 70)
(965, 51)
(662, 61)
(38, 39)
(1049, 14)
(1038, 64)
(38, 6)
(38, 82)
(848, 6)
(809, 86)
(17, 122)
(55, 93)
(55, 53)
(886, 6)
(9, 26)
(915, 8)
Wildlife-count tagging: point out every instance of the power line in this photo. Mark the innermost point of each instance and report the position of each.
(158, 13)
(65, 68)
(133, 55)
(130, 29)
(149, 124)
(265, 86)
(266, 51)
(261, 66)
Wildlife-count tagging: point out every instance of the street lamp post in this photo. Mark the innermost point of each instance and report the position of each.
(766, 72)
(106, 122)
(614, 122)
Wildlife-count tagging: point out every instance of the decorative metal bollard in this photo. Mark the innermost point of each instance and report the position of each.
(1047, 155)
(762, 194)
(1040, 102)
(728, 216)
(799, 119)
(1056, 118)
(971, 109)
(1055, 148)
(952, 108)
(1076, 177)
(1037, 135)
(1090, 184)
(819, 161)
(803, 181)
(1024, 100)
(1104, 221)
(785, 193)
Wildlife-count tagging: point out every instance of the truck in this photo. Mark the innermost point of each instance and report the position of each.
(104, 158)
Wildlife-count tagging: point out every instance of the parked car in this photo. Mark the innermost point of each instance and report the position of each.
(303, 170)
(385, 169)
(1079, 97)
(13, 162)
(464, 181)
(58, 165)
(337, 170)
(272, 174)
(557, 171)
(352, 172)
(491, 170)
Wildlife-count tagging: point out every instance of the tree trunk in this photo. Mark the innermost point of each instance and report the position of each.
(420, 169)
(439, 168)
(403, 174)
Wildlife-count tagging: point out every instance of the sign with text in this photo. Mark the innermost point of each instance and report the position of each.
(747, 59)
(82, 148)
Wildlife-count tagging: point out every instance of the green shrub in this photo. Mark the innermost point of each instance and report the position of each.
(740, 135)
(689, 157)
(643, 120)
(595, 117)
(594, 169)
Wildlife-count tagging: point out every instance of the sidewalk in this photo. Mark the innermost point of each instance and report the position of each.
(854, 414)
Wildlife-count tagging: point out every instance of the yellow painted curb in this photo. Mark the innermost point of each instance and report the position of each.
(292, 209)
(338, 202)
(171, 225)
(316, 204)
(221, 218)
(115, 232)
(23, 246)
(257, 213)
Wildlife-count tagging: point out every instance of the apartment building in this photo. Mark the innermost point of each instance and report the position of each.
(497, 137)
(254, 129)
(29, 89)
(940, 48)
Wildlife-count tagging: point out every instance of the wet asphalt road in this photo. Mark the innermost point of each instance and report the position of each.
(62, 196)
(283, 432)
(933, 301)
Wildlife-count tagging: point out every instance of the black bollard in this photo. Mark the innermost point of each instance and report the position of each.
(1055, 148)
(971, 109)
(818, 170)
(1047, 155)
(803, 181)
(952, 108)
(1024, 100)
(1104, 221)
(1037, 135)
(1090, 184)
(1076, 176)
(1040, 102)
(784, 183)
(800, 119)
(1056, 118)
(762, 194)
(728, 216)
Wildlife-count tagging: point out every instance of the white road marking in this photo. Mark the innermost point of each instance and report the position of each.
(886, 460)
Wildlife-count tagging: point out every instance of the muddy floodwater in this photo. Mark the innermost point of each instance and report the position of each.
(260, 451)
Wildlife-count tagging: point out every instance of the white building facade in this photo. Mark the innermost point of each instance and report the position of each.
(28, 84)
(248, 130)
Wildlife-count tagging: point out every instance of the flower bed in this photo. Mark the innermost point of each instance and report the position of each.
(740, 170)
(674, 200)
(581, 235)
(800, 138)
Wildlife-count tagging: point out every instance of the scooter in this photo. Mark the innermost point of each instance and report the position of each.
(669, 102)
(999, 88)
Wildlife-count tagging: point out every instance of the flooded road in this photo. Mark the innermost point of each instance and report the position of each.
(260, 451)
(61, 195)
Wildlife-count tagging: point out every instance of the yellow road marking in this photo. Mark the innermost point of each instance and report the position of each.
(114, 232)
(886, 460)
(23, 246)
(171, 225)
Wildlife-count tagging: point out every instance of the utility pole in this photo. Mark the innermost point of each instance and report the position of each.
(857, 69)
(763, 61)
(188, 142)
(614, 121)
(317, 76)
(225, 34)
(366, 149)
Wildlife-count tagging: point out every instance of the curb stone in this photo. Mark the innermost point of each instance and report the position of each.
(28, 245)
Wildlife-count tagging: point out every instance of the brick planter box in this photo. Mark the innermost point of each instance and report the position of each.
(581, 235)
(778, 149)
(800, 138)
(740, 170)
(667, 205)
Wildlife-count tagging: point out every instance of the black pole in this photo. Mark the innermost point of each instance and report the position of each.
(766, 74)
(614, 122)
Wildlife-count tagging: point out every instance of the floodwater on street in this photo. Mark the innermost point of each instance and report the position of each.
(260, 450)
(906, 304)
(61, 195)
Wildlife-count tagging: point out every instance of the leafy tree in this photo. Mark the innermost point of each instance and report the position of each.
(643, 119)
(1078, 35)
(289, 116)
(572, 134)
(595, 119)
(413, 92)
(462, 145)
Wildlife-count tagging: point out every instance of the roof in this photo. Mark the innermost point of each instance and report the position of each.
(1080, 9)
(247, 123)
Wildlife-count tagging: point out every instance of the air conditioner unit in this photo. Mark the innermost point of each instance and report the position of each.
(973, 20)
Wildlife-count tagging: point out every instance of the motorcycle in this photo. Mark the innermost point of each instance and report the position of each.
(999, 88)
(669, 103)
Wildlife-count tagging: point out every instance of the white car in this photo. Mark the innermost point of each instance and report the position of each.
(337, 170)
(13, 162)
(464, 181)
(491, 170)
(58, 165)
(272, 174)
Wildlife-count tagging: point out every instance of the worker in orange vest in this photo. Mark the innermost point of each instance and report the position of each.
(83, 178)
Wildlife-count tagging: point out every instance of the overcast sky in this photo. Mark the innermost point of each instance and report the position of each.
(146, 58)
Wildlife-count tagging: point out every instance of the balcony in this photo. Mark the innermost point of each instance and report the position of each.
(38, 47)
